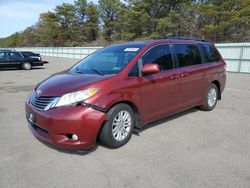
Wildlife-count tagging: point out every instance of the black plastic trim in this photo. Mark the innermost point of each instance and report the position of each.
(99, 108)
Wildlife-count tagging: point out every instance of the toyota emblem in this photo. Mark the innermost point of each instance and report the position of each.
(38, 92)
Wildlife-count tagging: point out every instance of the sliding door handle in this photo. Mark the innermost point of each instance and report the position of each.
(174, 77)
(184, 74)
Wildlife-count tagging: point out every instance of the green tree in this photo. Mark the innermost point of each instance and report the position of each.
(224, 21)
(92, 22)
(29, 37)
(80, 16)
(124, 20)
(109, 11)
(66, 22)
(47, 29)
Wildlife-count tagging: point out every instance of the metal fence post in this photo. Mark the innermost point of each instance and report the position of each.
(240, 58)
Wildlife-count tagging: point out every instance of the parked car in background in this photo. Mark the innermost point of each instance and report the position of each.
(121, 88)
(31, 55)
(11, 58)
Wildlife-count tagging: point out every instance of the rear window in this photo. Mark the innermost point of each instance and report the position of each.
(25, 55)
(187, 54)
(210, 53)
(28, 54)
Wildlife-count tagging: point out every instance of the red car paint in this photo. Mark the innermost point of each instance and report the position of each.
(153, 97)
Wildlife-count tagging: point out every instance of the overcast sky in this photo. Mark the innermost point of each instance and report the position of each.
(17, 15)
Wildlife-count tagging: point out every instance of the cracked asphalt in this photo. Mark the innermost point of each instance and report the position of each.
(191, 149)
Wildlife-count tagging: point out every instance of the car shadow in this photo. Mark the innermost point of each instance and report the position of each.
(16, 69)
(71, 151)
(37, 68)
(169, 118)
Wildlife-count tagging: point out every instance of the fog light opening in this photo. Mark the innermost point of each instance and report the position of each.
(72, 137)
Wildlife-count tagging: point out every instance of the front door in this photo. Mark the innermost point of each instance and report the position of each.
(160, 91)
(2, 59)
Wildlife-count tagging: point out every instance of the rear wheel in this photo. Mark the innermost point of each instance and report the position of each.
(211, 98)
(26, 66)
(117, 131)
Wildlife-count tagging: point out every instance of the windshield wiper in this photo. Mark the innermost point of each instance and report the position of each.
(97, 71)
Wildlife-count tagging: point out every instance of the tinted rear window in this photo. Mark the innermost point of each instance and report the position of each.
(187, 54)
(210, 53)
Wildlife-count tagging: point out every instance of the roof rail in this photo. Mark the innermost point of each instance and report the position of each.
(186, 38)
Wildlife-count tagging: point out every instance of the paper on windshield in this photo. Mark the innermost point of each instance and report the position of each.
(131, 49)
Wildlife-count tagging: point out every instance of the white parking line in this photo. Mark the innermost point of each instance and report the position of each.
(231, 89)
(237, 90)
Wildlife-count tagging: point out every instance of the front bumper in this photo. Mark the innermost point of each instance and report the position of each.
(56, 125)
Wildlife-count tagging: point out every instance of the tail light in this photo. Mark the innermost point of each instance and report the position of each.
(225, 66)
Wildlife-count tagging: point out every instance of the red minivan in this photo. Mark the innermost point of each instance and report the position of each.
(121, 88)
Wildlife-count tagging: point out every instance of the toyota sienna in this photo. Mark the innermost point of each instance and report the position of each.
(121, 88)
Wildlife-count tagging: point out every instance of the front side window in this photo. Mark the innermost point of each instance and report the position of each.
(187, 54)
(2, 55)
(160, 55)
(110, 60)
(210, 53)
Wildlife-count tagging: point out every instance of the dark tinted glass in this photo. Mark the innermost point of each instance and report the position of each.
(2, 54)
(30, 54)
(25, 55)
(210, 53)
(134, 71)
(160, 55)
(15, 56)
(109, 60)
(188, 54)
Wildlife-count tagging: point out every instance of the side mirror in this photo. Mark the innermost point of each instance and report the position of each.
(150, 69)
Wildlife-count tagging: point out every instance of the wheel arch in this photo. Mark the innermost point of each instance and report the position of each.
(135, 109)
(217, 83)
(138, 121)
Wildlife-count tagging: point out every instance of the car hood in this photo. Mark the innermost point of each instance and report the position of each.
(65, 82)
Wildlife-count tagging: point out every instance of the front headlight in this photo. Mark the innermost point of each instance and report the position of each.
(75, 97)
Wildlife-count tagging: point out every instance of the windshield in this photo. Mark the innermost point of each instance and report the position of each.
(109, 60)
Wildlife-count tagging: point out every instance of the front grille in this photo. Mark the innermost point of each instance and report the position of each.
(40, 103)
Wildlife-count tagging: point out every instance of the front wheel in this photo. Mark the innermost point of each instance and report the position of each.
(117, 130)
(211, 98)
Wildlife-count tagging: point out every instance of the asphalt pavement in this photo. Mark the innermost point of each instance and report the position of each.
(191, 149)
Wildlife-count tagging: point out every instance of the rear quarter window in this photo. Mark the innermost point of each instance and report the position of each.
(210, 53)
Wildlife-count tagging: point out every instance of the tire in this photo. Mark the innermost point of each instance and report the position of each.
(211, 98)
(26, 66)
(118, 129)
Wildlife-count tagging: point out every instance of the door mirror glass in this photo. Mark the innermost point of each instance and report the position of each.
(150, 69)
